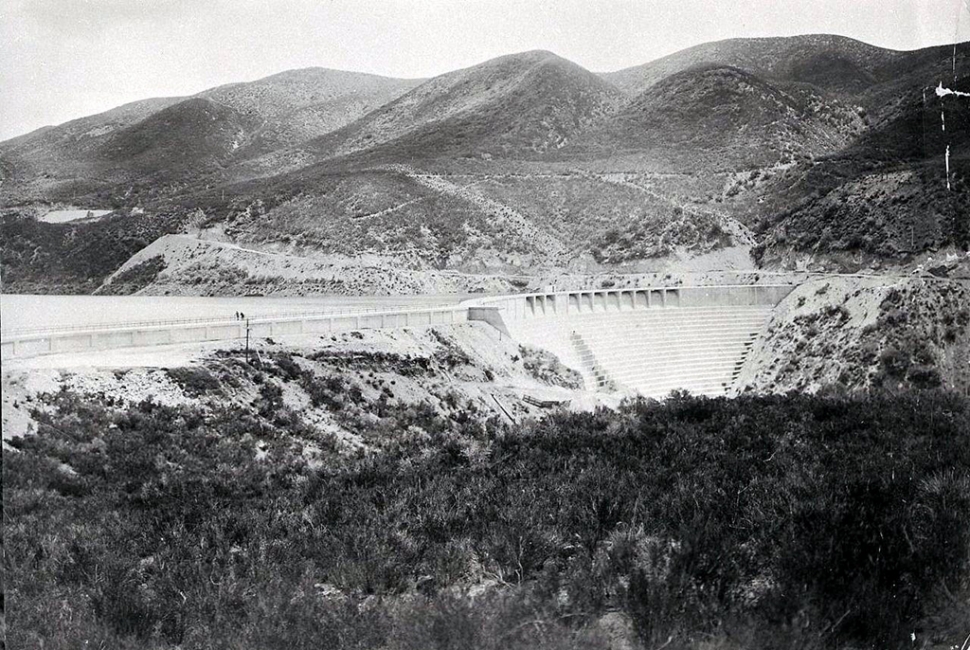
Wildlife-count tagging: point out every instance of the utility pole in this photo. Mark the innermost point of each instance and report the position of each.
(247, 341)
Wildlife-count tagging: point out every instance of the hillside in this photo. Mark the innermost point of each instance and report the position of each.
(68, 258)
(50, 160)
(872, 218)
(853, 334)
(86, 132)
(299, 105)
(191, 136)
(184, 265)
(143, 139)
(521, 104)
(816, 151)
(831, 62)
(888, 195)
(717, 118)
(473, 221)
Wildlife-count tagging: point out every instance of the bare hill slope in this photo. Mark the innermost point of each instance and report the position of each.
(518, 104)
(829, 61)
(112, 148)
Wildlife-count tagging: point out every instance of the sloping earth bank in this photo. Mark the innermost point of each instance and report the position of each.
(859, 333)
(350, 391)
(184, 265)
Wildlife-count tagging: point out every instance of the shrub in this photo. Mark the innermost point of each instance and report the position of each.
(923, 377)
(895, 362)
(796, 521)
(194, 381)
(137, 277)
(288, 368)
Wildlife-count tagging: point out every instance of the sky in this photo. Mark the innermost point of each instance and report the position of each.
(62, 59)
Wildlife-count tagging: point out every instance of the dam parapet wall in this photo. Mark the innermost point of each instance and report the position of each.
(591, 301)
(94, 338)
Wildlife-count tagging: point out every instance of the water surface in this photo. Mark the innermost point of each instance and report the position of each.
(65, 216)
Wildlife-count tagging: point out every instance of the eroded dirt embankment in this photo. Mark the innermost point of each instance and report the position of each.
(184, 265)
(355, 390)
(862, 333)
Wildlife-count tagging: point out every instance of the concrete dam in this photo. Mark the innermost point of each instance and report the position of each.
(651, 340)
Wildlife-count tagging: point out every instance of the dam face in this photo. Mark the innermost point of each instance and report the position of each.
(649, 340)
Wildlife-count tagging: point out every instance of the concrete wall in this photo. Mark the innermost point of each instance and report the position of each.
(31, 345)
(601, 301)
(648, 339)
(500, 312)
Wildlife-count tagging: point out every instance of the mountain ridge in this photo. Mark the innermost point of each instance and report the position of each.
(453, 99)
(451, 172)
(278, 110)
(746, 120)
(763, 56)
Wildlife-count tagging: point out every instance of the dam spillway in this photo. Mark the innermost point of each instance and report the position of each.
(648, 340)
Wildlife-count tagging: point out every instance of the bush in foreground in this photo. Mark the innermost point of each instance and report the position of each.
(759, 522)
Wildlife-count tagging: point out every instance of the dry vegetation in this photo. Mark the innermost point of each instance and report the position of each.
(70, 258)
(138, 525)
(851, 335)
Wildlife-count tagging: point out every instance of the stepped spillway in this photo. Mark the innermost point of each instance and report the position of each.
(651, 341)
(653, 352)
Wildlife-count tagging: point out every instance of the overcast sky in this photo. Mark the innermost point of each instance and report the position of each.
(61, 59)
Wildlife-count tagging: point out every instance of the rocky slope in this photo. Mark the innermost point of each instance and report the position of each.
(857, 334)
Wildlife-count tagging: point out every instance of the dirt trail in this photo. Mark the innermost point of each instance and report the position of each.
(387, 211)
(740, 233)
(499, 212)
(204, 267)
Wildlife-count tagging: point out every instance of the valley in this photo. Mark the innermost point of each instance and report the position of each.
(391, 481)
(520, 355)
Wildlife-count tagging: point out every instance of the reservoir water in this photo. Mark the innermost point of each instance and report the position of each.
(64, 216)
